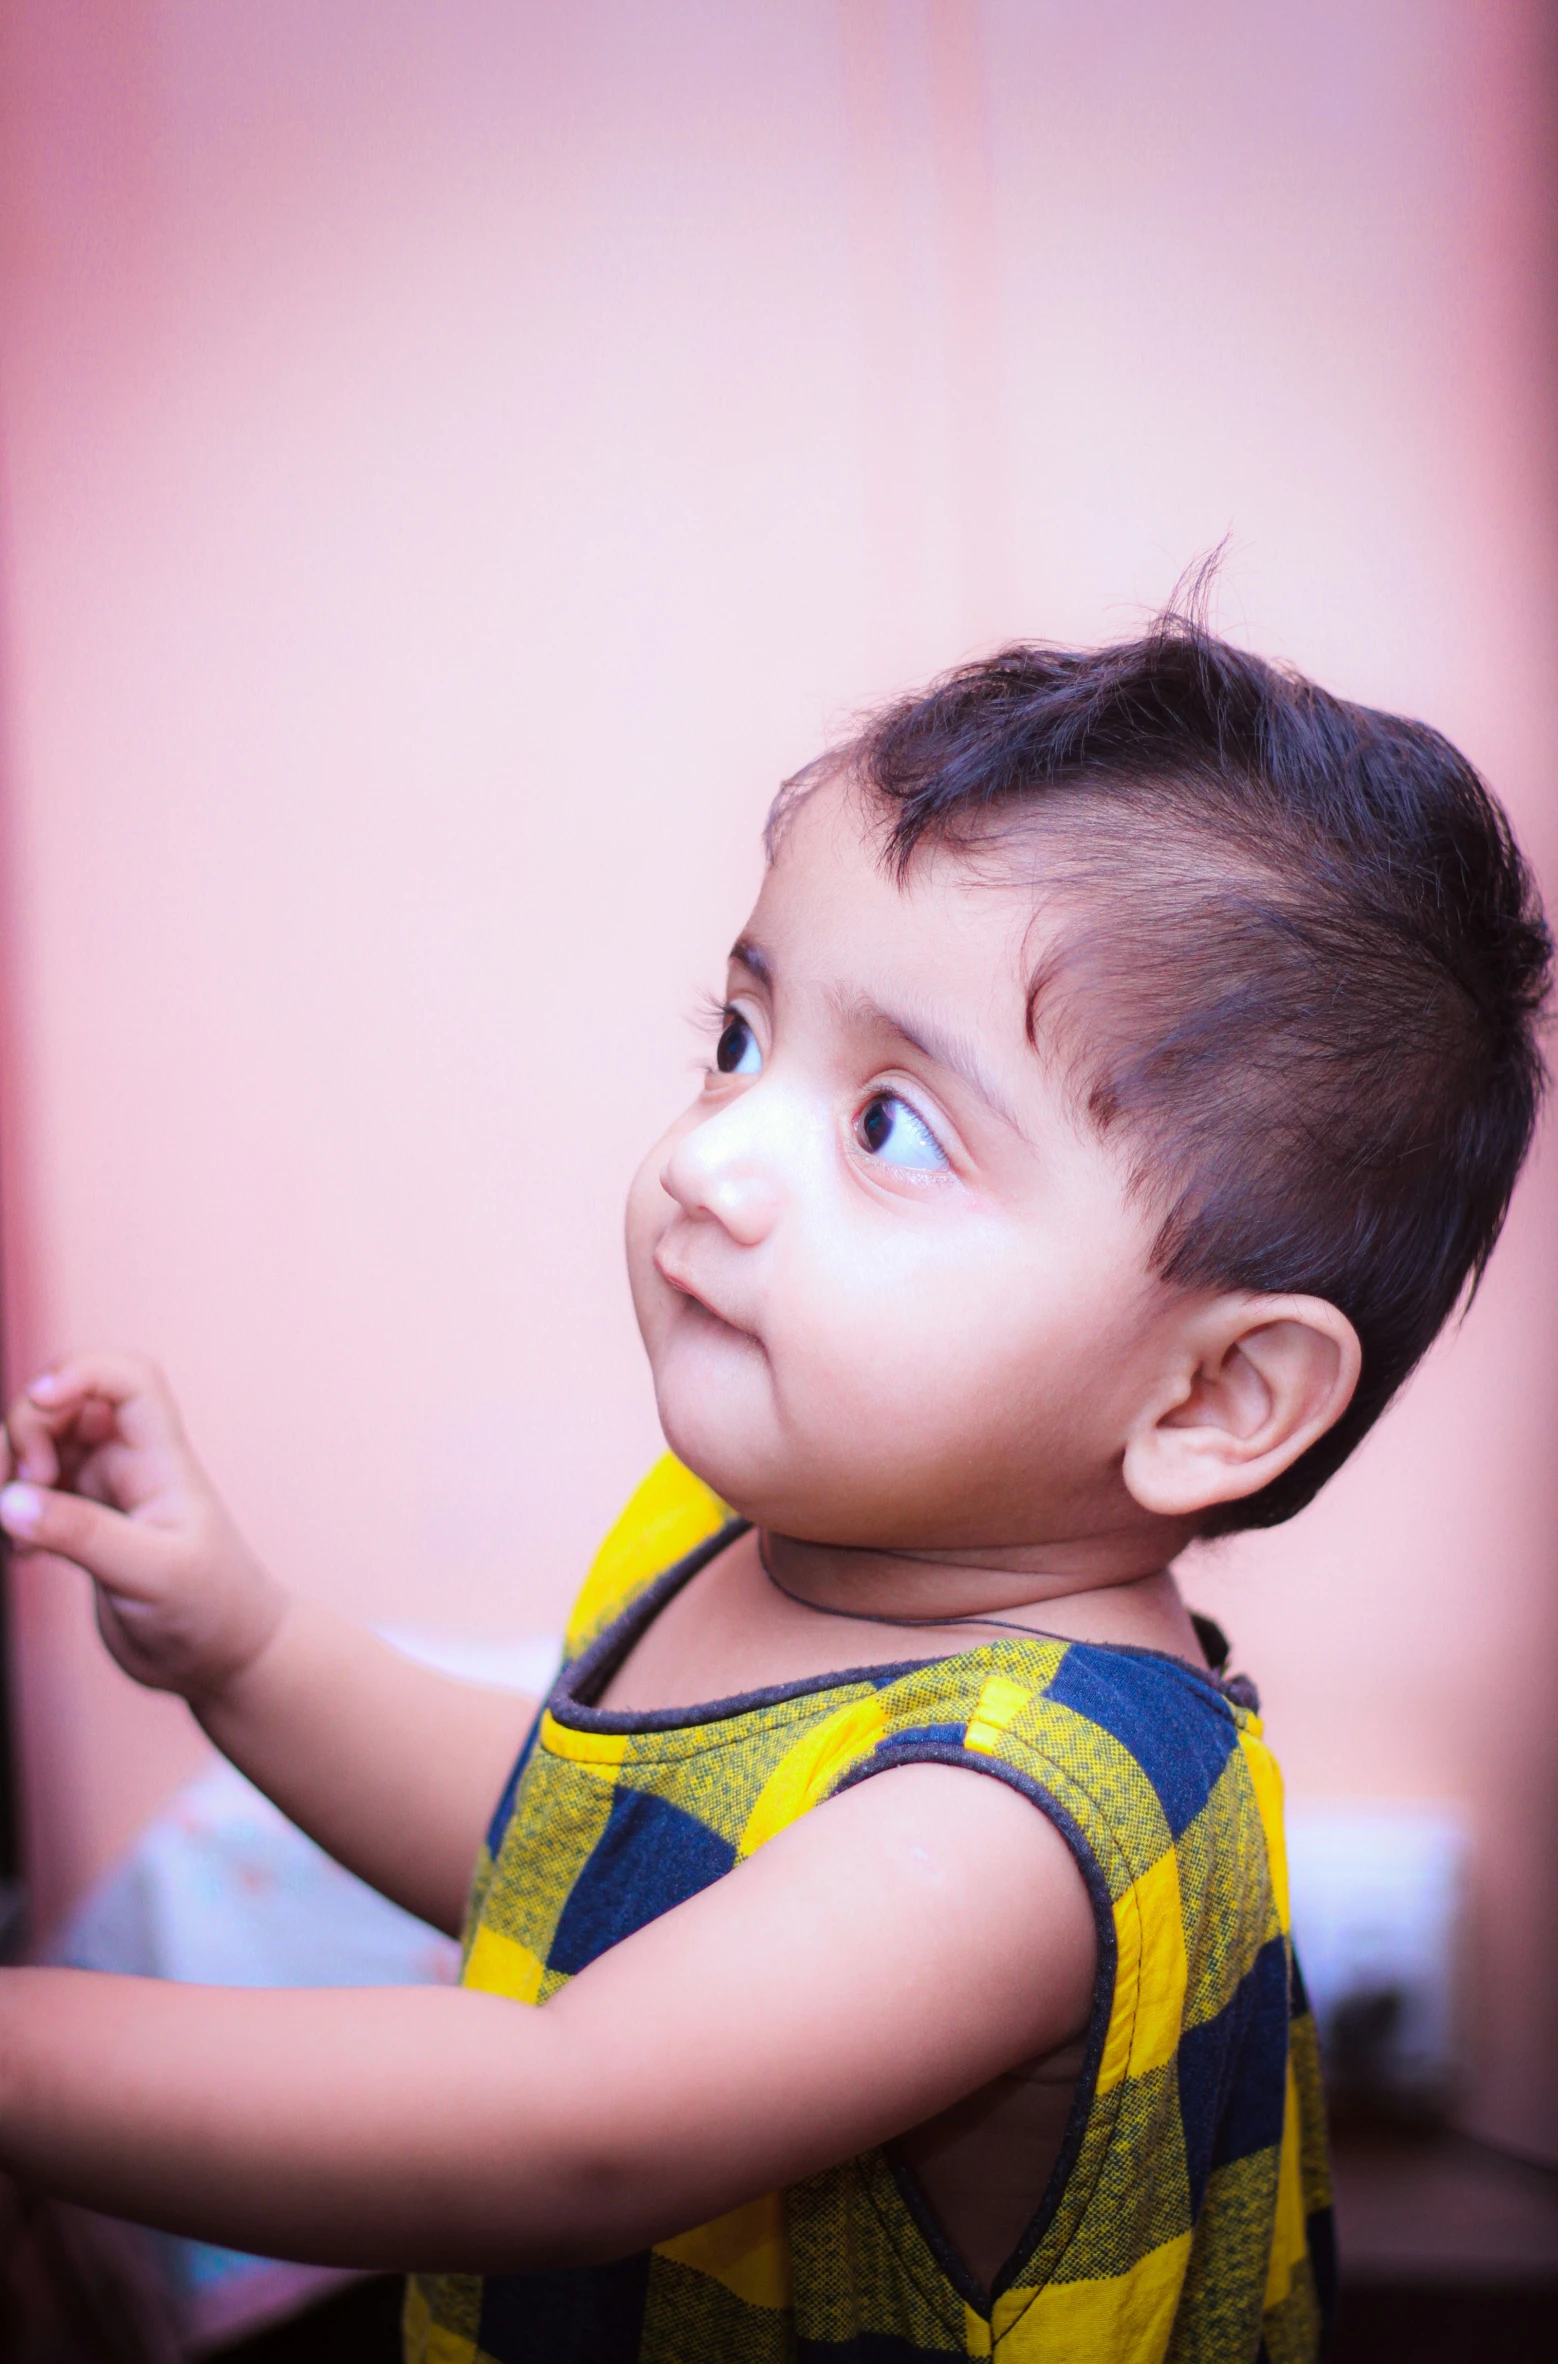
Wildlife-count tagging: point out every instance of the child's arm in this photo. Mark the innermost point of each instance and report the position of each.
(894, 1950)
(392, 1768)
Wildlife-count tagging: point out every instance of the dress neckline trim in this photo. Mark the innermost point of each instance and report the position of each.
(569, 1701)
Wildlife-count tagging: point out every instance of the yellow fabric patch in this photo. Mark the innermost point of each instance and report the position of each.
(1150, 1975)
(1127, 2319)
(671, 1513)
(448, 2347)
(998, 1702)
(1122, 2009)
(1266, 1781)
(415, 2317)
(498, 1965)
(599, 1751)
(1290, 2233)
(811, 1769)
(427, 2342)
(748, 2250)
(976, 2333)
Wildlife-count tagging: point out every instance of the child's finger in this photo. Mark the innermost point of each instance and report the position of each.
(114, 1550)
(95, 1422)
(133, 1385)
(49, 1445)
(31, 1433)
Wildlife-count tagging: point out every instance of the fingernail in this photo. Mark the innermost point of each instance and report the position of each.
(44, 1386)
(21, 1507)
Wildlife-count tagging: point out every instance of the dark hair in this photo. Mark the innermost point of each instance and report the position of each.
(1310, 954)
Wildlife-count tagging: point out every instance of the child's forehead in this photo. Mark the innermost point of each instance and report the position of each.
(833, 910)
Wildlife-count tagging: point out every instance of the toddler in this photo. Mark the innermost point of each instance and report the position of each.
(1119, 1081)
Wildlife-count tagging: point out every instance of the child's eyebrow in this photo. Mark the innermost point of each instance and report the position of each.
(753, 958)
(942, 1049)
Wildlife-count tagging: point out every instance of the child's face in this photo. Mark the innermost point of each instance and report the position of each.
(892, 1290)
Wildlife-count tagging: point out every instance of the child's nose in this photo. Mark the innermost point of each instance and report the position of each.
(719, 1169)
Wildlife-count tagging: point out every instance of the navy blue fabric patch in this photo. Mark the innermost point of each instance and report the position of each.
(922, 1735)
(650, 1857)
(1233, 2073)
(574, 2315)
(505, 1805)
(1205, 2065)
(1180, 1738)
(1298, 1993)
(1252, 2120)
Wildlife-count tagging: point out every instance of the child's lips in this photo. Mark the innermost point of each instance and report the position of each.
(685, 1288)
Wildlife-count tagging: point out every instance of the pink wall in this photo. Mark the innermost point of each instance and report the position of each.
(456, 459)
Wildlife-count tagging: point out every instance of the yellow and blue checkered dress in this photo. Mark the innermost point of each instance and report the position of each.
(1187, 2217)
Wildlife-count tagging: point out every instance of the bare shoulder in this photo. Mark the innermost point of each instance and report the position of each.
(983, 1873)
(968, 1828)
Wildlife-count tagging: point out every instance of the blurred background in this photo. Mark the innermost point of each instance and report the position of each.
(456, 459)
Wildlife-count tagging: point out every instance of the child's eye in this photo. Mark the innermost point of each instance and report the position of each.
(737, 1053)
(887, 1128)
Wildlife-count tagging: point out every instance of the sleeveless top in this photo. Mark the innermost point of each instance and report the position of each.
(1187, 2216)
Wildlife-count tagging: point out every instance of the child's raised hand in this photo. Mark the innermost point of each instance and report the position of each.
(100, 1473)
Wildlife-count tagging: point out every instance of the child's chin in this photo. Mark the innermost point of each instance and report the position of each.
(765, 1486)
(705, 1448)
(706, 1432)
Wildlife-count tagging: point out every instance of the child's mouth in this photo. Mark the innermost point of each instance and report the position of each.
(696, 1299)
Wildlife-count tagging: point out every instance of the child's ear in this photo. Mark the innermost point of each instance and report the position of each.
(1260, 1380)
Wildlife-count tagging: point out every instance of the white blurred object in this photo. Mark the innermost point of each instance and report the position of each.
(526, 1662)
(222, 1890)
(1379, 1899)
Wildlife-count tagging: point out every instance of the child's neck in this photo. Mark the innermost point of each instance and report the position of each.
(1121, 1594)
(739, 1626)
